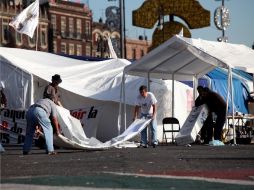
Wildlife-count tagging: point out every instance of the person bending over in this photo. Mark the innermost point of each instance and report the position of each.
(43, 113)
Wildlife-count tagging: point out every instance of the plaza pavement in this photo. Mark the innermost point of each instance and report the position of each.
(165, 167)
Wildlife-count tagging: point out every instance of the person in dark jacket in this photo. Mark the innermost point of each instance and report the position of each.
(217, 114)
(206, 132)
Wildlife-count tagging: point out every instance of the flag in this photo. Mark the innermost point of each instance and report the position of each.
(111, 49)
(27, 21)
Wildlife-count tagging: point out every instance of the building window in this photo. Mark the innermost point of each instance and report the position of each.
(43, 36)
(63, 47)
(71, 27)
(87, 29)
(88, 50)
(96, 37)
(71, 49)
(133, 53)
(79, 50)
(79, 30)
(53, 23)
(54, 47)
(63, 26)
(142, 53)
(5, 31)
(31, 41)
(18, 38)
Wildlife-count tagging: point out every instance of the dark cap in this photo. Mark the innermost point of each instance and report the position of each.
(57, 78)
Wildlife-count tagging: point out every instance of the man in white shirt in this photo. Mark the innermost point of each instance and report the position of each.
(146, 105)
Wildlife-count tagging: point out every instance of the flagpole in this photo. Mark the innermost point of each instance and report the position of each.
(37, 36)
(37, 30)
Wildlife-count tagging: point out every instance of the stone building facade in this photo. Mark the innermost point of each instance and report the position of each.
(66, 28)
(70, 28)
(135, 48)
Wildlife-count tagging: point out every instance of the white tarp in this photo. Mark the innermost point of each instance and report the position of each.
(75, 137)
(192, 125)
(87, 87)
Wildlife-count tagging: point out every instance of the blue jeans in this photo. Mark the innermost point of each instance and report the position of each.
(37, 116)
(153, 125)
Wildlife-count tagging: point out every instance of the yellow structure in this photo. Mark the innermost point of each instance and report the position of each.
(152, 11)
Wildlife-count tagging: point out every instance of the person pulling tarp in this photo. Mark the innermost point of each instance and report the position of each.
(208, 115)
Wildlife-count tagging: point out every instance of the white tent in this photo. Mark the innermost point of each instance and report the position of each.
(92, 85)
(182, 58)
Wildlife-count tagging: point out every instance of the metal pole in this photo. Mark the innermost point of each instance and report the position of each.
(37, 36)
(122, 28)
(232, 103)
(173, 95)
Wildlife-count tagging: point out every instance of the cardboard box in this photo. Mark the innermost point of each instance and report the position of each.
(192, 125)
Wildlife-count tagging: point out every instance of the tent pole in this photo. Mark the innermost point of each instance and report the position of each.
(124, 103)
(195, 85)
(32, 90)
(173, 94)
(232, 102)
(120, 106)
(228, 94)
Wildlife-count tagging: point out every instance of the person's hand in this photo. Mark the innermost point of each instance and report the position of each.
(58, 133)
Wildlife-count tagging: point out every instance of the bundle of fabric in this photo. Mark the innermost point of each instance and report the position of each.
(74, 137)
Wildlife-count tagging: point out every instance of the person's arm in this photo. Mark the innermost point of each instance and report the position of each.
(154, 111)
(136, 110)
(56, 125)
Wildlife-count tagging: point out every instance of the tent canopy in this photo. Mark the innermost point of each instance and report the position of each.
(97, 80)
(186, 58)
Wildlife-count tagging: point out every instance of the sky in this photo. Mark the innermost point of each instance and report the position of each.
(240, 31)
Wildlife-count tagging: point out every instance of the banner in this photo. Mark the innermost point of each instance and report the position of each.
(13, 126)
(89, 118)
(13, 123)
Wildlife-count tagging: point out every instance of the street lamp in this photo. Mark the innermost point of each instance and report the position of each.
(122, 28)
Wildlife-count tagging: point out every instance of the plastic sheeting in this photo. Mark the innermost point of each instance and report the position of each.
(219, 85)
(74, 136)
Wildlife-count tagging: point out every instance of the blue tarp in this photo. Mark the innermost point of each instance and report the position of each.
(219, 82)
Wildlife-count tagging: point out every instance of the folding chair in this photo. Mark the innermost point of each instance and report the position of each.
(171, 121)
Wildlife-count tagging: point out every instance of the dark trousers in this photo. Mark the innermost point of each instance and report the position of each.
(207, 129)
(220, 120)
(211, 128)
